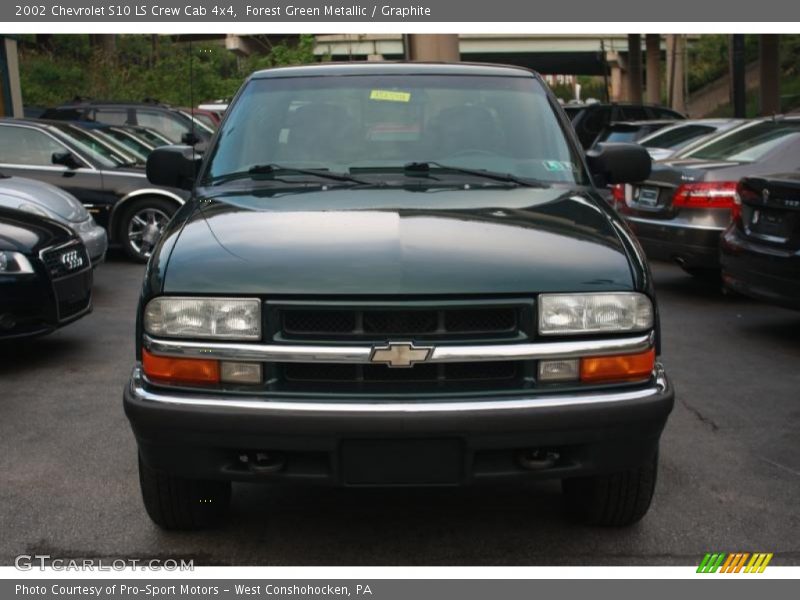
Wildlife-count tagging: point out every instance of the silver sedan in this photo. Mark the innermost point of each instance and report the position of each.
(47, 200)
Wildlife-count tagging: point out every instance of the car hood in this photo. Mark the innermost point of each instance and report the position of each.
(398, 241)
(55, 202)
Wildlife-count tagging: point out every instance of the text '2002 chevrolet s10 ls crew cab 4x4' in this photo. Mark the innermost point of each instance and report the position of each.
(397, 274)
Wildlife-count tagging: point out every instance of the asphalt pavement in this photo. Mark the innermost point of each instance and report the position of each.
(729, 478)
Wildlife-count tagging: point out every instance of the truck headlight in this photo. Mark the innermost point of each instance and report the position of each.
(212, 318)
(607, 312)
(14, 263)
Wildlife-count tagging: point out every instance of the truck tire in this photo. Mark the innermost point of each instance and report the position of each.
(182, 504)
(612, 500)
(141, 225)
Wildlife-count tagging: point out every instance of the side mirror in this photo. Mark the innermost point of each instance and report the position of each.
(66, 159)
(190, 138)
(619, 163)
(173, 166)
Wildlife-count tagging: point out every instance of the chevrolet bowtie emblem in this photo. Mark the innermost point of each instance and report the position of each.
(400, 354)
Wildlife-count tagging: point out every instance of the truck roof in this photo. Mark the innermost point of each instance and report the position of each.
(394, 68)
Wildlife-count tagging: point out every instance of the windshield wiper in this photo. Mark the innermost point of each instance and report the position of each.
(425, 167)
(273, 170)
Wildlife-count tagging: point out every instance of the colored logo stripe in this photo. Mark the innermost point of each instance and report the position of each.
(734, 562)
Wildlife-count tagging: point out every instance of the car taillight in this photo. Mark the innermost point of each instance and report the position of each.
(618, 193)
(710, 194)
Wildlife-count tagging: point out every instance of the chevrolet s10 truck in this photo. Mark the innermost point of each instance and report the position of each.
(397, 274)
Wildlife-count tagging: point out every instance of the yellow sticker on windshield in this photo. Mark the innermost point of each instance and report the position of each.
(389, 96)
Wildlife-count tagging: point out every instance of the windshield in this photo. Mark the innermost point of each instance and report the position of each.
(99, 151)
(500, 124)
(747, 144)
(674, 137)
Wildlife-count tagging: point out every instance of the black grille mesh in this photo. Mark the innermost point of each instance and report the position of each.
(426, 373)
(61, 262)
(387, 322)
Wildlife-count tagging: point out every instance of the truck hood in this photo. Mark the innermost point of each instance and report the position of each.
(397, 241)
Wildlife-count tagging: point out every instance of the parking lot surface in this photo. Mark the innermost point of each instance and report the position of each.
(729, 479)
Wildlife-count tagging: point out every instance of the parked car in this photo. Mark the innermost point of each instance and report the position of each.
(630, 131)
(45, 275)
(209, 118)
(119, 138)
(54, 203)
(590, 119)
(170, 122)
(132, 211)
(666, 142)
(397, 274)
(761, 248)
(680, 211)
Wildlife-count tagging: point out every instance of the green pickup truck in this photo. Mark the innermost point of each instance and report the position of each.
(397, 274)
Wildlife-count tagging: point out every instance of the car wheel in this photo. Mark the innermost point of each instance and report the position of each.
(142, 224)
(179, 503)
(612, 500)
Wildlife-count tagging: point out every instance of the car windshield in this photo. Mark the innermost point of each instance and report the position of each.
(100, 151)
(627, 134)
(747, 144)
(494, 123)
(675, 137)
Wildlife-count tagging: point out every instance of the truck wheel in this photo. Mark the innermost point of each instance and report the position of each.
(612, 500)
(142, 224)
(184, 504)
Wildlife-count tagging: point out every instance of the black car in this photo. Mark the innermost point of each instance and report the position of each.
(590, 119)
(118, 195)
(397, 274)
(761, 248)
(45, 275)
(680, 211)
(172, 123)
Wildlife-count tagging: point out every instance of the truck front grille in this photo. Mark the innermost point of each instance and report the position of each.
(423, 322)
(320, 372)
(377, 322)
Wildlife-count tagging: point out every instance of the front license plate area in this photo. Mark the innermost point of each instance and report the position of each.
(402, 462)
(647, 196)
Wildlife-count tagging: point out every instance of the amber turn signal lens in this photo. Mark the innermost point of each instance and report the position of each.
(180, 370)
(626, 367)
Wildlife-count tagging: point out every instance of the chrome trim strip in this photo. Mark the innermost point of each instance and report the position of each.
(361, 354)
(664, 223)
(659, 387)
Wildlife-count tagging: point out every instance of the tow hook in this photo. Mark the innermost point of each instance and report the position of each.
(536, 459)
(263, 462)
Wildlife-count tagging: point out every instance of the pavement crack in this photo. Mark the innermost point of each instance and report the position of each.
(700, 416)
(779, 466)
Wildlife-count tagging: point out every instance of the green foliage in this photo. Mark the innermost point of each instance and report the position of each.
(142, 66)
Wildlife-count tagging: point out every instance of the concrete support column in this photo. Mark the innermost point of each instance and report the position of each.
(619, 85)
(634, 68)
(769, 75)
(443, 47)
(676, 72)
(653, 44)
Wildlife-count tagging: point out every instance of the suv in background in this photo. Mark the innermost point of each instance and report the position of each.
(630, 131)
(590, 119)
(172, 123)
(397, 274)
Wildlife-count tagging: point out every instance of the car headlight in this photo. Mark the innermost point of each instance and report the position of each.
(14, 263)
(33, 209)
(220, 318)
(609, 312)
